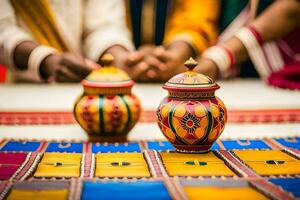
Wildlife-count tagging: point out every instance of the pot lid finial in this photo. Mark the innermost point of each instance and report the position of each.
(107, 60)
(108, 76)
(190, 63)
(190, 80)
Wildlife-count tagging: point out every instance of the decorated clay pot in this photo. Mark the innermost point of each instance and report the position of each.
(107, 110)
(191, 117)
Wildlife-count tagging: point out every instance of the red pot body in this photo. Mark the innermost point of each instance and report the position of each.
(192, 125)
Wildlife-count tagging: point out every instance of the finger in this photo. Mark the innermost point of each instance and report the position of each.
(156, 63)
(133, 59)
(151, 74)
(162, 54)
(76, 64)
(91, 64)
(138, 71)
(63, 74)
(146, 49)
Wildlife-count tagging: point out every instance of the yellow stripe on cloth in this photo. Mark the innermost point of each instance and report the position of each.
(59, 165)
(40, 19)
(121, 165)
(178, 164)
(216, 193)
(269, 162)
(17, 194)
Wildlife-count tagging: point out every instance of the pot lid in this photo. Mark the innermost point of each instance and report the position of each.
(190, 80)
(108, 76)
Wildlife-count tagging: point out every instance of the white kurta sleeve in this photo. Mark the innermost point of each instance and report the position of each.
(104, 26)
(10, 34)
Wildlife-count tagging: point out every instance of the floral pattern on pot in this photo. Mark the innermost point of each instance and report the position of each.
(192, 122)
(107, 110)
(191, 116)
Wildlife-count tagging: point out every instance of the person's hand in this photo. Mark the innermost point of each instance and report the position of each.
(130, 62)
(65, 68)
(149, 67)
(172, 60)
(122, 57)
(134, 63)
(207, 67)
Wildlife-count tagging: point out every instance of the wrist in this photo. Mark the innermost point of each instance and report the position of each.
(182, 49)
(48, 65)
(35, 59)
(22, 53)
(208, 67)
(223, 59)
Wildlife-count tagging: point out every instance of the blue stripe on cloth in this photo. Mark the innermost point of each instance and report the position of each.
(165, 146)
(215, 146)
(160, 146)
(117, 147)
(20, 146)
(290, 142)
(289, 184)
(244, 144)
(64, 147)
(125, 190)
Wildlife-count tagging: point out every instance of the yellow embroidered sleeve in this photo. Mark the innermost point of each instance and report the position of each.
(269, 162)
(121, 165)
(195, 22)
(178, 164)
(59, 165)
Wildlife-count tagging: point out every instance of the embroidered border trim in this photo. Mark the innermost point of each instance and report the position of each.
(256, 181)
(175, 189)
(87, 165)
(154, 161)
(235, 164)
(30, 166)
(21, 167)
(4, 188)
(265, 116)
(75, 189)
(270, 190)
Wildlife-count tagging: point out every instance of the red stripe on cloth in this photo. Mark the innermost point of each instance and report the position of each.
(29, 167)
(4, 188)
(270, 190)
(273, 144)
(292, 152)
(87, 147)
(42, 147)
(156, 166)
(175, 189)
(149, 116)
(28, 118)
(235, 164)
(3, 143)
(87, 165)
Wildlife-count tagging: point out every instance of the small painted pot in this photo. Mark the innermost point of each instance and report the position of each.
(107, 110)
(191, 117)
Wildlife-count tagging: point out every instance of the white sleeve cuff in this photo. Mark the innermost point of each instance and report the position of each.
(98, 42)
(11, 39)
(35, 59)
